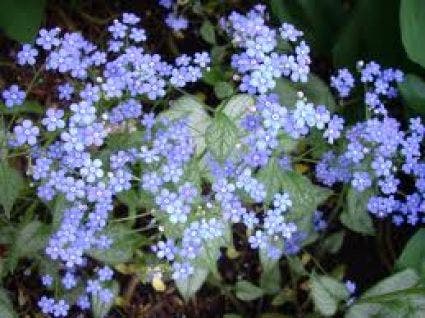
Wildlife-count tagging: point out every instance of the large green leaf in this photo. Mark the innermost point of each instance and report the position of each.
(396, 296)
(271, 176)
(238, 106)
(28, 241)
(207, 32)
(191, 109)
(6, 308)
(355, 215)
(247, 291)
(315, 90)
(370, 33)
(327, 292)
(413, 255)
(412, 24)
(221, 137)
(188, 287)
(305, 196)
(11, 183)
(124, 244)
(223, 90)
(320, 20)
(412, 90)
(21, 19)
(270, 274)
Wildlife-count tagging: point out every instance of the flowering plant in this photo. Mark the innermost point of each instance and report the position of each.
(129, 170)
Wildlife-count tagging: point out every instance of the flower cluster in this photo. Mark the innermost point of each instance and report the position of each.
(260, 61)
(173, 20)
(194, 194)
(71, 166)
(378, 82)
(377, 155)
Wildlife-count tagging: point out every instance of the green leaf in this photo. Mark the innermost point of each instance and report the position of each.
(214, 75)
(412, 24)
(304, 195)
(270, 274)
(232, 316)
(247, 291)
(30, 107)
(28, 241)
(333, 242)
(238, 106)
(315, 90)
(6, 307)
(101, 309)
(223, 90)
(190, 108)
(57, 208)
(412, 91)
(396, 296)
(413, 255)
(125, 140)
(271, 176)
(355, 215)
(11, 183)
(21, 19)
(362, 37)
(217, 55)
(296, 265)
(221, 137)
(188, 287)
(399, 281)
(327, 292)
(124, 244)
(320, 20)
(207, 32)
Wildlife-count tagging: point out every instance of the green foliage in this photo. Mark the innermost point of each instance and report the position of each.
(355, 215)
(20, 19)
(238, 106)
(6, 308)
(316, 92)
(271, 176)
(327, 293)
(99, 308)
(30, 107)
(413, 255)
(124, 140)
(247, 291)
(333, 242)
(320, 20)
(221, 136)
(188, 287)
(412, 90)
(190, 108)
(270, 279)
(11, 183)
(369, 32)
(27, 241)
(412, 24)
(205, 264)
(207, 32)
(399, 295)
(125, 243)
(223, 90)
(305, 196)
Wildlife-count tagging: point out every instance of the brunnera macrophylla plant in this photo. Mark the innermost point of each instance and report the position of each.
(195, 171)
